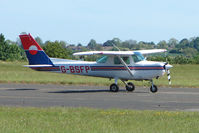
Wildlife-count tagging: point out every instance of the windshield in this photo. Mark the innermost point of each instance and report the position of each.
(138, 57)
(102, 59)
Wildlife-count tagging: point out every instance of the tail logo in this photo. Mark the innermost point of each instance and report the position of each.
(33, 50)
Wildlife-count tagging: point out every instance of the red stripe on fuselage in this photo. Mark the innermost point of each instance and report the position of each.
(122, 68)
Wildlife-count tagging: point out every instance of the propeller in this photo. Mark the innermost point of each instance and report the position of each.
(167, 67)
(169, 77)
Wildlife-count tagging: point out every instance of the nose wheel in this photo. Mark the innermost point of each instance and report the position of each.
(153, 87)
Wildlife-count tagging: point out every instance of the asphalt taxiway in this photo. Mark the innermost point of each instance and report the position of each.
(32, 95)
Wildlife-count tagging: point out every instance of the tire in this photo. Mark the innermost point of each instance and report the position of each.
(114, 88)
(154, 89)
(130, 86)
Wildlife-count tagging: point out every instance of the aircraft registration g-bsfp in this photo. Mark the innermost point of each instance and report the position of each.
(118, 65)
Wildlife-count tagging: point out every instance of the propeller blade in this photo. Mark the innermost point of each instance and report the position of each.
(167, 66)
(169, 77)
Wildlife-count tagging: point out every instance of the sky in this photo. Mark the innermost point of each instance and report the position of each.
(79, 21)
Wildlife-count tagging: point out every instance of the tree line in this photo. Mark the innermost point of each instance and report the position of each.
(185, 51)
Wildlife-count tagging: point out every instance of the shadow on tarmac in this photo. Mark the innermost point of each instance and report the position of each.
(80, 91)
(92, 91)
(21, 89)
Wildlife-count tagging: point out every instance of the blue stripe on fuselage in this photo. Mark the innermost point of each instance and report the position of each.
(121, 68)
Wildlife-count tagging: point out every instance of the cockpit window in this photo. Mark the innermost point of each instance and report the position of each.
(117, 60)
(103, 59)
(138, 57)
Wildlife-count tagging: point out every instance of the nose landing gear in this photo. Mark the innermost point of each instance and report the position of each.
(153, 87)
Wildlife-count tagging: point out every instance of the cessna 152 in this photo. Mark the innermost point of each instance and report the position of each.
(118, 65)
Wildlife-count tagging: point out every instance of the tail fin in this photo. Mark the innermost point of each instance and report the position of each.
(34, 53)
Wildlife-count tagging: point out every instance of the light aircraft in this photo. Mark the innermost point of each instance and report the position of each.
(117, 65)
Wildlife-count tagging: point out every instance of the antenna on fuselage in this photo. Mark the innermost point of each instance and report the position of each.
(166, 55)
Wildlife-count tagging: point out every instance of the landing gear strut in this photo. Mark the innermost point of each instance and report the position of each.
(153, 87)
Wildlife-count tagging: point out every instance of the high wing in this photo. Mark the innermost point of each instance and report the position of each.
(120, 52)
(151, 51)
(105, 53)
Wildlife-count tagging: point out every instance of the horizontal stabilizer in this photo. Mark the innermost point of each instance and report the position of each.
(38, 65)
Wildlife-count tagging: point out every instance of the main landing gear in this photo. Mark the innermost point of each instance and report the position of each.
(114, 88)
(129, 86)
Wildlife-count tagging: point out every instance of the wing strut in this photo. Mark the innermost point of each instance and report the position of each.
(126, 66)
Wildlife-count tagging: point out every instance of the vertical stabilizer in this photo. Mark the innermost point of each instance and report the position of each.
(34, 52)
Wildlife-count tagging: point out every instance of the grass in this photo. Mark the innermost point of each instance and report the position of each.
(14, 72)
(86, 120)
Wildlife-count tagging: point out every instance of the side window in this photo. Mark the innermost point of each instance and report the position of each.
(126, 60)
(135, 58)
(103, 59)
(117, 60)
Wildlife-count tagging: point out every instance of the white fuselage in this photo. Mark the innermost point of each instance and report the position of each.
(142, 70)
